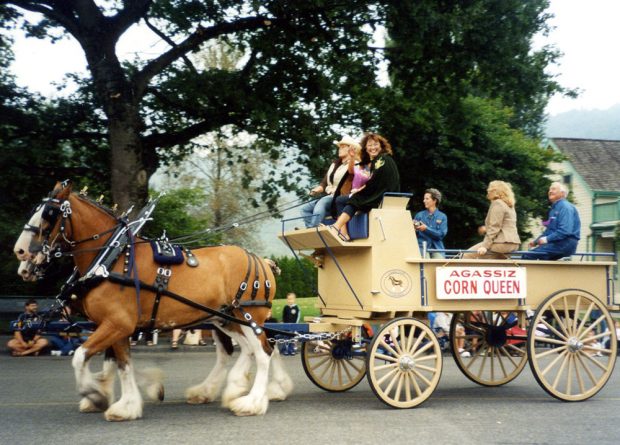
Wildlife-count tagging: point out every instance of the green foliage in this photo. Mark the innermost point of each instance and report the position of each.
(297, 276)
(465, 104)
(180, 212)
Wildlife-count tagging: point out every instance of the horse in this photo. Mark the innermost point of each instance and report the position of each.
(215, 289)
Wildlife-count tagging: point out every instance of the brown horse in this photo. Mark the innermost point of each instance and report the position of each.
(83, 228)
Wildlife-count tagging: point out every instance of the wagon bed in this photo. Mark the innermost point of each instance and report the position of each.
(505, 313)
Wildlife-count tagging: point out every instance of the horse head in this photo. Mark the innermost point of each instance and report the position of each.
(41, 233)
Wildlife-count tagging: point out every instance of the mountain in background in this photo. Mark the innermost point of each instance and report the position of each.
(585, 124)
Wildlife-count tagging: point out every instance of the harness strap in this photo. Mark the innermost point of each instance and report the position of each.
(161, 283)
(256, 285)
(120, 279)
(133, 268)
(244, 285)
(267, 282)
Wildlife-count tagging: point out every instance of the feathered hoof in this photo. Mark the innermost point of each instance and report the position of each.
(231, 393)
(276, 393)
(249, 406)
(93, 402)
(156, 392)
(87, 406)
(120, 412)
(199, 394)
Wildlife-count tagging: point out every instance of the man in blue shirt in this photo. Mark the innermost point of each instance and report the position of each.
(431, 225)
(562, 234)
(27, 339)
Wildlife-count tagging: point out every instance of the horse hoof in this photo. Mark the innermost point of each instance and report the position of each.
(198, 400)
(156, 392)
(115, 414)
(248, 406)
(87, 406)
(93, 402)
(275, 392)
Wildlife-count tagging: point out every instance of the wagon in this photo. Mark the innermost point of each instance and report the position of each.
(505, 313)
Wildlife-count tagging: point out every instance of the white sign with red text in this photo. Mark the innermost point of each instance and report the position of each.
(467, 283)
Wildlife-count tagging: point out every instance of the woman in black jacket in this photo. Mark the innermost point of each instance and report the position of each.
(377, 151)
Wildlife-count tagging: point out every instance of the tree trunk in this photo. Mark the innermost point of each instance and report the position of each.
(129, 174)
(130, 168)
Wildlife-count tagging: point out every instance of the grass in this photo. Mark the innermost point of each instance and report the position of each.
(307, 306)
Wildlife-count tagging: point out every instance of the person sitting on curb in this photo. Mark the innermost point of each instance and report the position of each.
(27, 339)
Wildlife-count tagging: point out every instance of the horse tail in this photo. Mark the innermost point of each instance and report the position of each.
(273, 266)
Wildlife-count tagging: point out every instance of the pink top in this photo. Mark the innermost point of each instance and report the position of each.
(361, 175)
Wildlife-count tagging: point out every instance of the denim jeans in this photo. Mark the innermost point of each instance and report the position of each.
(315, 211)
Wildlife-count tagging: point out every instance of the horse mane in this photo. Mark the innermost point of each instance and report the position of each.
(96, 204)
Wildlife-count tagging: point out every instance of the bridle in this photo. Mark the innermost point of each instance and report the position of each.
(55, 213)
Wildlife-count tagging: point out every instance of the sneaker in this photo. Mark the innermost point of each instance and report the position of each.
(55, 353)
(463, 353)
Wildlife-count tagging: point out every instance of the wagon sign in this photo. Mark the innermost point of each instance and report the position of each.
(468, 283)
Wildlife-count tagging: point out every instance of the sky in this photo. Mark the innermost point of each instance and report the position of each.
(585, 31)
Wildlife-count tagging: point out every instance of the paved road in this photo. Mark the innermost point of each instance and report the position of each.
(38, 404)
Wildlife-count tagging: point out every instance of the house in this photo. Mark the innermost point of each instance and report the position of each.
(591, 171)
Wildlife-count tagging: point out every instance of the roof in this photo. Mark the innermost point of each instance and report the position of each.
(596, 160)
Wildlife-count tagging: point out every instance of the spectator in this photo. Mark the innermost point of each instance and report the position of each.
(594, 346)
(290, 314)
(501, 236)
(148, 336)
(431, 225)
(27, 339)
(174, 340)
(315, 211)
(608, 338)
(377, 151)
(563, 229)
(65, 342)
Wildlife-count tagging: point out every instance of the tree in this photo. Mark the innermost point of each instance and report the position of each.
(466, 102)
(298, 57)
(228, 187)
(297, 276)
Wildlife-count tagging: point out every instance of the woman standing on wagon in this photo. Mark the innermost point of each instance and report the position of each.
(501, 235)
(384, 177)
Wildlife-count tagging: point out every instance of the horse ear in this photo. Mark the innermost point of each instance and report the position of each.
(62, 190)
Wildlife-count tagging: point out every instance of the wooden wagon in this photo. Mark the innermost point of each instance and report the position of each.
(553, 314)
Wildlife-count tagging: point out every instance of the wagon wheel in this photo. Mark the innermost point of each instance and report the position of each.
(404, 363)
(334, 365)
(563, 348)
(494, 346)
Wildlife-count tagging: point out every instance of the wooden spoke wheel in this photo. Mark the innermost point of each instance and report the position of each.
(489, 347)
(404, 363)
(566, 345)
(334, 365)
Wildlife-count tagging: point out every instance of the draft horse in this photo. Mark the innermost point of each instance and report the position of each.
(123, 298)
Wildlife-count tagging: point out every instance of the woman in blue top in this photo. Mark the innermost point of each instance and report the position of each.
(431, 225)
